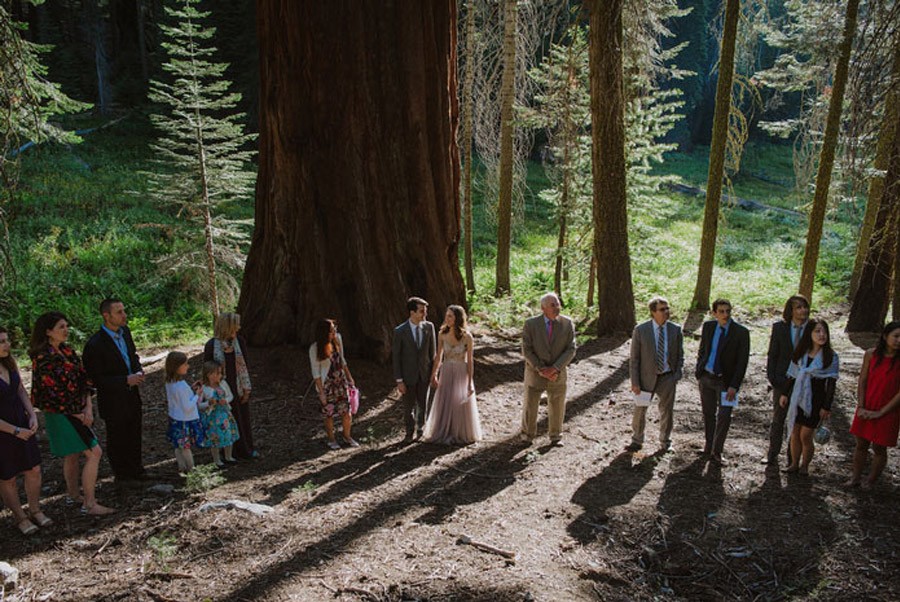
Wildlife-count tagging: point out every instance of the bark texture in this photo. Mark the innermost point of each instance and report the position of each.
(356, 200)
(717, 157)
(466, 144)
(826, 156)
(507, 98)
(615, 296)
(873, 293)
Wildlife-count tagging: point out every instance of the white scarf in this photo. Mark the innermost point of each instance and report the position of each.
(801, 396)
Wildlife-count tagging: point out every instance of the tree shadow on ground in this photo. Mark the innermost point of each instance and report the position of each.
(614, 486)
(475, 477)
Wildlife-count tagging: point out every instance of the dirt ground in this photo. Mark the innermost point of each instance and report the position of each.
(385, 522)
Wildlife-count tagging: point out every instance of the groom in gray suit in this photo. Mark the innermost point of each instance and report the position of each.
(548, 344)
(413, 350)
(657, 360)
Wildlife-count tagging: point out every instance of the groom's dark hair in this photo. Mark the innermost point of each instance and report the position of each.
(413, 303)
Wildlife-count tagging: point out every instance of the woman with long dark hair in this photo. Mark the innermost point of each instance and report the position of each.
(60, 387)
(454, 412)
(19, 453)
(333, 380)
(809, 392)
(877, 420)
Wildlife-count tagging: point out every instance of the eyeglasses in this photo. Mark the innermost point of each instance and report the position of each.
(662, 308)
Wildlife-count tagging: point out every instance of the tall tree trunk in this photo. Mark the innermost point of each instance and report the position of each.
(98, 32)
(568, 133)
(826, 155)
(882, 156)
(507, 98)
(466, 144)
(873, 295)
(592, 279)
(615, 296)
(357, 202)
(140, 23)
(717, 157)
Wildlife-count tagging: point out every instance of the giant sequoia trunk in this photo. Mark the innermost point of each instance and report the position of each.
(826, 155)
(507, 99)
(356, 200)
(717, 157)
(615, 298)
(466, 144)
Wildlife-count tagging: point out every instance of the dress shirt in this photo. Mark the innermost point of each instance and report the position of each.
(119, 340)
(721, 331)
(796, 333)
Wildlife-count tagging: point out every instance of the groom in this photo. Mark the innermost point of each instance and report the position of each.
(413, 351)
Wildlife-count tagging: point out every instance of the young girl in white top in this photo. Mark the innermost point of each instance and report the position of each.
(218, 422)
(185, 429)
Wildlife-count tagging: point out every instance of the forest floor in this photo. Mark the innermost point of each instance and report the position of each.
(385, 522)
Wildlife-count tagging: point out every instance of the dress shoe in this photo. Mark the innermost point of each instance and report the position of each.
(718, 461)
(556, 443)
(525, 438)
(667, 448)
(633, 447)
(408, 439)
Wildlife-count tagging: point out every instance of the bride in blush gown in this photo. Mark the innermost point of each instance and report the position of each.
(454, 411)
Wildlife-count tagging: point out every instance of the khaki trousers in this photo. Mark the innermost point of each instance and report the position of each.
(556, 408)
(665, 393)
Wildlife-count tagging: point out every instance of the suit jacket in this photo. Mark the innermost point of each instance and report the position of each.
(643, 354)
(412, 363)
(778, 359)
(108, 370)
(734, 356)
(541, 353)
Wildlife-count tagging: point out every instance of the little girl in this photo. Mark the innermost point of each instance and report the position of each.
(221, 428)
(185, 429)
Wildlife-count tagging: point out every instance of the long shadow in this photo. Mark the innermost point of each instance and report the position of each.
(431, 488)
(616, 485)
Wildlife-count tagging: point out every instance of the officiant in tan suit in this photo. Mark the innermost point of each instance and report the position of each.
(548, 344)
(657, 360)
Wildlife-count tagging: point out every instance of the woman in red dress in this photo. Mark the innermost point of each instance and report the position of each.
(877, 419)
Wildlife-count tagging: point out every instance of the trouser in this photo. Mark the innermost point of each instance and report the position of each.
(124, 432)
(776, 431)
(556, 409)
(716, 417)
(243, 447)
(414, 407)
(665, 393)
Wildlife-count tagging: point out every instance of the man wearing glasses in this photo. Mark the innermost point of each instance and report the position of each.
(721, 364)
(657, 359)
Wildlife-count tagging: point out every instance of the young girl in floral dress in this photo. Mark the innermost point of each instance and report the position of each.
(185, 429)
(218, 422)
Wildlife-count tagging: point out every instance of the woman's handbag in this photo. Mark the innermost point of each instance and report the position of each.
(353, 398)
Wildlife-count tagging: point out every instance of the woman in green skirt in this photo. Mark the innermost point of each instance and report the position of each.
(61, 389)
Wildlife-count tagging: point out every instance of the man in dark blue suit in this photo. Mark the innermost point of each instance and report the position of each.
(721, 365)
(113, 364)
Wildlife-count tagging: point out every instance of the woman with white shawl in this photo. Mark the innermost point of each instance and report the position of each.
(810, 390)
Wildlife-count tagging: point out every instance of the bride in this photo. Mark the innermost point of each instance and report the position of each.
(454, 413)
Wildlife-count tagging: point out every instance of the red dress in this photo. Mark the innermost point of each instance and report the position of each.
(882, 384)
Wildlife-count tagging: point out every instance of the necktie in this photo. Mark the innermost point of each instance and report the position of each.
(717, 364)
(418, 336)
(795, 334)
(661, 351)
(549, 329)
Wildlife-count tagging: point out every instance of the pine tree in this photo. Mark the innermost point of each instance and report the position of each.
(27, 103)
(202, 157)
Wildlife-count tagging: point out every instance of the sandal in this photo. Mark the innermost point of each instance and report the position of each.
(791, 469)
(97, 510)
(334, 445)
(27, 527)
(41, 519)
(351, 442)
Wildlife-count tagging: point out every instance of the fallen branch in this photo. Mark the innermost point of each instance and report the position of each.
(465, 539)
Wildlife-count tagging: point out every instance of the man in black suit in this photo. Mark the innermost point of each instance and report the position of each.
(786, 334)
(721, 364)
(413, 350)
(113, 364)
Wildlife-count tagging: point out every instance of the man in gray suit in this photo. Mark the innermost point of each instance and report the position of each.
(548, 344)
(413, 351)
(657, 360)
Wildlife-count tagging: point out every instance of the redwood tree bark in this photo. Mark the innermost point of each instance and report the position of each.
(356, 199)
(507, 100)
(615, 295)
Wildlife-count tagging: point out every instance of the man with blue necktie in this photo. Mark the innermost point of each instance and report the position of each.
(786, 333)
(721, 365)
(113, 364)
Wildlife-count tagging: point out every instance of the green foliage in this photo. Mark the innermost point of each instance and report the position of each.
(27, 104)
(202, 157)
(203, 478)
(306, 489)
(164, 546)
